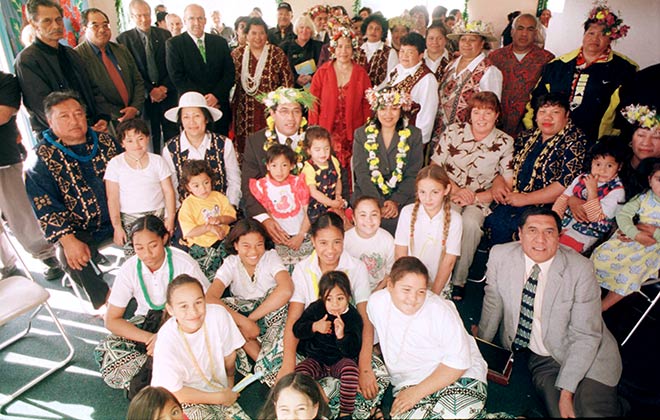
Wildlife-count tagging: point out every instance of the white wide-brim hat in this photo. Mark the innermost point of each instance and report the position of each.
(483, 29)
(192, 100)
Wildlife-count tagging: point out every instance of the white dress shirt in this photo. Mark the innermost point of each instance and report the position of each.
(536, 339)
(490, 81)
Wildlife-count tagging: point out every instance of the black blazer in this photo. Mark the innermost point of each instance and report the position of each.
(133, 41)
(189, 72)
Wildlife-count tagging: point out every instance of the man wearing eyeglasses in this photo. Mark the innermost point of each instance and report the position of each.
(47, 66)
(111, 69)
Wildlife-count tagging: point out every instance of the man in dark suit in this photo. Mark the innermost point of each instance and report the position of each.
(47, 66)
(284, 29)
(160, 93)
(112, 70)
(201, 62)
(545, 299)
(287, 112)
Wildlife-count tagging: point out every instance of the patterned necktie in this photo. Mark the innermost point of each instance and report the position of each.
(202, 49)
(288, 142)
(526, 311)
(152, 68)
(115, 76)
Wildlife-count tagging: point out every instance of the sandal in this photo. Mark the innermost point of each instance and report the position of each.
(458, 293)
(377, 413)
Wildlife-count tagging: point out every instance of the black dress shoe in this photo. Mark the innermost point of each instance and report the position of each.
(54, 270)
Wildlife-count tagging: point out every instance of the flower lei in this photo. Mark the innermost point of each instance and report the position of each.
(641, 115)
(271, 140)
(343, 32)
(319, 8)
(402, 148)
(402, 20)
(602, 15)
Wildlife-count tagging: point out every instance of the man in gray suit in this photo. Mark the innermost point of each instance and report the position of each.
(547, 300)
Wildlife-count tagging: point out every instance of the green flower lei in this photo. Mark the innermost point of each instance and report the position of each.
(371, 146)
(271, 140)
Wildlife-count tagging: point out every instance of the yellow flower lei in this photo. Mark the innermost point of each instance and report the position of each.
(271, 140)
(371, 146)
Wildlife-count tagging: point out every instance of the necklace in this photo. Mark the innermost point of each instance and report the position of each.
(50, 138)
(371, 146)
(170, 268)
(136, 160)
(210, 382)
(251, 83)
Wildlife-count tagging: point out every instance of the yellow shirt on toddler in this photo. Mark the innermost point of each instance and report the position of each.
(196, 211)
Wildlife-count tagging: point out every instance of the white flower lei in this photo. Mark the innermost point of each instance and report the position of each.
(371, 146)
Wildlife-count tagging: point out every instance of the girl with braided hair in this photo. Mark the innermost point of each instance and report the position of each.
(430, 229)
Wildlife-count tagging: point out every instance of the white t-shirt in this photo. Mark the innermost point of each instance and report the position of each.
(377, 253)
(307, 274)
(127, 284)
(232, 274)
(428, 236)
(414, 345)
(173, 368)
(139, 189)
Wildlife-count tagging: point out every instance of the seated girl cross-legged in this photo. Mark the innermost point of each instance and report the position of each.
(436, 368)
(145, 277)
(260, 288)
(195, 353)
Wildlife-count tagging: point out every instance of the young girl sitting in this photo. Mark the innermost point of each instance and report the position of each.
(295, 396)
(204, 216)
(595, 198)
(436, 368)
(195, 353)
(155, 403)
(622, 266)
(322, 173)
(260, 288)
(430, 229)
(370, 243)
(285, 197)
(330, 334)
(137, 183)
(145, 277)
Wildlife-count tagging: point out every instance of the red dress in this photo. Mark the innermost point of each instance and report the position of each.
(340, 110)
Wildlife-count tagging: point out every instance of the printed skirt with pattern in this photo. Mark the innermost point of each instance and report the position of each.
(464, 399)
(623, 266)
(214, 411)
(120, 359)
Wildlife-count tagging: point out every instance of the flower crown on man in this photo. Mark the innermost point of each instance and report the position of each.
(641, 116)
(403, 20)
(341, 28)
(388, 97)
(601, 14)
(319, 8)
(287, 95)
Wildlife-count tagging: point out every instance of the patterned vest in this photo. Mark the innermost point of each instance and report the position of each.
(215, 157)
(407, 85)
(455, 93)
(377, 66)
(593, 229)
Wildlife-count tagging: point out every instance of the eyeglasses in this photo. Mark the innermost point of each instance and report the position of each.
(296, 112)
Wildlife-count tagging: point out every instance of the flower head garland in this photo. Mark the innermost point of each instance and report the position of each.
(371, 146)
(341, 31)
(641, 115)
(475, 27)
(601, 14)
(388, 97)
(271, 140)
(318, 9)
(403, 20)
(286, 95)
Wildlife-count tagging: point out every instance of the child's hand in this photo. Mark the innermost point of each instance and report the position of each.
(119, 237)
(151, 344)
(337, 203)
(405, 400)
(169, 225)
(217, 230)
(227, 397)
(213, 220)
(645, 239)
(296, 241)
(339, 327)
(322, 326)
(591, 182)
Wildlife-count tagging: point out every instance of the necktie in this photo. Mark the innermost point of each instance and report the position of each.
(526, 311)
(288, 141)
(202, 49)
(115, 76)
(152, 68)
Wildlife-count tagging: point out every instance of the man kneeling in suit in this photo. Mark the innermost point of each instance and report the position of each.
(547, 301)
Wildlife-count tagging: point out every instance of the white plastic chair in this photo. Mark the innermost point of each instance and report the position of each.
(18, 296)
(652, 303)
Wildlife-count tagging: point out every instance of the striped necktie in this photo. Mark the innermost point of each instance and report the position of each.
(526, 311)
(115, 77)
